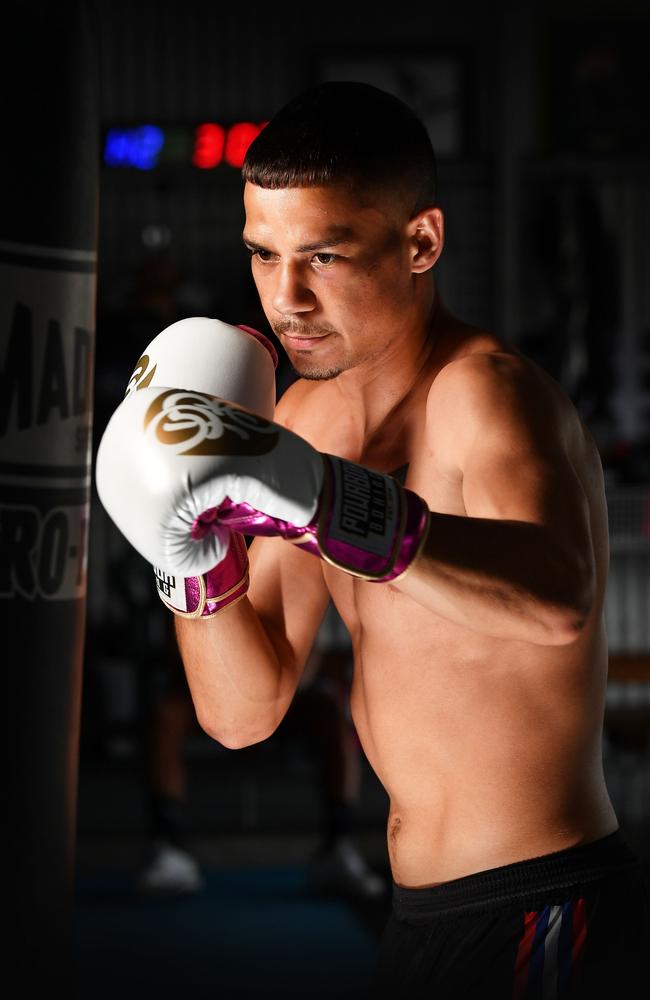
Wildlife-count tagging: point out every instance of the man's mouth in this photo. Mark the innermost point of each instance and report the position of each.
(297, 340)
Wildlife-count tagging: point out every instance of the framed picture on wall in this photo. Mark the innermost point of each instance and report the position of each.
(434, 84)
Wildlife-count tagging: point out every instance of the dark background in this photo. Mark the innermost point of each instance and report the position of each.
(539, 116)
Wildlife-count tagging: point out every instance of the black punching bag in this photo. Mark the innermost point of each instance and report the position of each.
(48, 244)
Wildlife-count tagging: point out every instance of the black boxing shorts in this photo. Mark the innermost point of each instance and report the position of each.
(575, 923)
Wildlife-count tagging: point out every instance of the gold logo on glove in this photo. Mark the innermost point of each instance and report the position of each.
(209, 425)
(140, 378)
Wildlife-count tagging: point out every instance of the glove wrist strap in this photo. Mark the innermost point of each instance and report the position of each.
(369, 525)
(206, 595)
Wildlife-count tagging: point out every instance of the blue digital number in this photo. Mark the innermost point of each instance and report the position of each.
(134, 147)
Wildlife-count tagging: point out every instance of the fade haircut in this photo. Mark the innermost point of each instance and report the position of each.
(346, 132)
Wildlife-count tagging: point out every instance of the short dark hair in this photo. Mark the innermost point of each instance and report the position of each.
(345, 131)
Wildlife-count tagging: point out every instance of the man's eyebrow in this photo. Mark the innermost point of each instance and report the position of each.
(340, 234)
(324, 244)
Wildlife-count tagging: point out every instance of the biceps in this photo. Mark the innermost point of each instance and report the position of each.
(543, 490)
(289, 594)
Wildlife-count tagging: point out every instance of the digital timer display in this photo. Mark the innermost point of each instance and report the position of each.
(205, 146)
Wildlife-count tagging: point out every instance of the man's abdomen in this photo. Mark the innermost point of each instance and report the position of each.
(489, 753)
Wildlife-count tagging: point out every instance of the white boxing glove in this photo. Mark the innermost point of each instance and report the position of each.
(199, 465)
(234, 362)
(216, 357)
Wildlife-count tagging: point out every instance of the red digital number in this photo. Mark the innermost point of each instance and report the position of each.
(208, 145)
(238, 140)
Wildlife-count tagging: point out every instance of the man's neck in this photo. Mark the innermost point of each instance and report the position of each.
(385, 384)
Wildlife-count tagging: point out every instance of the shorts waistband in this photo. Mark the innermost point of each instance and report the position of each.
(560, 870)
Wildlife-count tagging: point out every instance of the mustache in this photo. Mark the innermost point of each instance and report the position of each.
(293, 329)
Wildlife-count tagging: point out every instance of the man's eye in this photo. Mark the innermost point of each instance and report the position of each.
(325, 258)
(262, 254)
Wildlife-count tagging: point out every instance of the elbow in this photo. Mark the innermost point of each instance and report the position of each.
(566, 629)
(567, 622)
(556, 627)
(239, 740)
(235, 737)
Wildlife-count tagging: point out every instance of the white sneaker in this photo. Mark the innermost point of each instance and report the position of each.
(343, 870)
(172, 870)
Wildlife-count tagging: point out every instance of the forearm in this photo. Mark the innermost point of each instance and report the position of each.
(242, 675)
(507, 579)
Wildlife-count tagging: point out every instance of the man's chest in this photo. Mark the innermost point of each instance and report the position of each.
(404, 448)
(373, 607)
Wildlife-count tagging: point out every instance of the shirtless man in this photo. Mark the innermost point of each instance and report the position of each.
(481, 654)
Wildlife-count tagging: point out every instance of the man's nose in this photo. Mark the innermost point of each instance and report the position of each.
(292, 294)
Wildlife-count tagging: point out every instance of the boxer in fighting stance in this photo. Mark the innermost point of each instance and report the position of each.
(443, 490)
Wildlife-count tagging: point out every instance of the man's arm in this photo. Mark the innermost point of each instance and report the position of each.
(520, 565)
(243, 665)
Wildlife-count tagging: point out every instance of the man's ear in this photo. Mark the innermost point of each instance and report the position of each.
(426, 231)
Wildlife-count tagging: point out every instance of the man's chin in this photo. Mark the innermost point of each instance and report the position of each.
(314, 374)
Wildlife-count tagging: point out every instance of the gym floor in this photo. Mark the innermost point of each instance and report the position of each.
(255, 929)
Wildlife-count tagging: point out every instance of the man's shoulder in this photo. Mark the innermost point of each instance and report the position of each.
(495, 388)
(486, 368)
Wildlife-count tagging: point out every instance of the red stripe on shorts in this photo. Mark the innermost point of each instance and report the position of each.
(522, 962)
(579, 929)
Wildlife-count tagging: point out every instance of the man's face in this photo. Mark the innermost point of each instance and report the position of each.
(333, 274)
